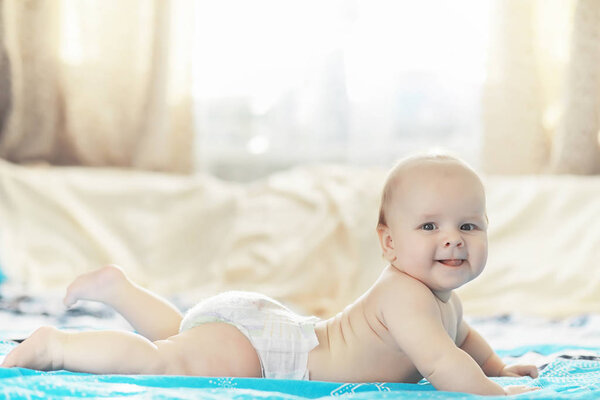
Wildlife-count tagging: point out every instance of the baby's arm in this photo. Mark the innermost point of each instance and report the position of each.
(414, 319)
(491, 364)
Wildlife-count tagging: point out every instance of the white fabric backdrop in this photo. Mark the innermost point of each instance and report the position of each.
(306, 236)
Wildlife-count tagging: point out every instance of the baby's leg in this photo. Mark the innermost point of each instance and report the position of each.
(103, 352)
(215, 349)
(150, 315)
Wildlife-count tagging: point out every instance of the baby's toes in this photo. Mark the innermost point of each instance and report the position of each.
(9, 360)
(18, 357)
(71, 295)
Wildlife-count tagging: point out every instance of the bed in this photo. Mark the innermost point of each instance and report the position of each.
(538, 300)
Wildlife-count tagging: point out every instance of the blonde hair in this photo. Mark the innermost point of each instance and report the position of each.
(390, 182)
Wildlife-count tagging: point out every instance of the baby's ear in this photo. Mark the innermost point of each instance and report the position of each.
(386, 242)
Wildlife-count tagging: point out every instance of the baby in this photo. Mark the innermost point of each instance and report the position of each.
(408, 325)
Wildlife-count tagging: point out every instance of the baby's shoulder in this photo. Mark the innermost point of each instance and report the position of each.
(395, 287)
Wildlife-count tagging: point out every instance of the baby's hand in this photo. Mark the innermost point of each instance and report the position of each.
(520, 370)
(518, 389)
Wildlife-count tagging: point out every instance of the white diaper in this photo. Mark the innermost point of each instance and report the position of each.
(282, 338)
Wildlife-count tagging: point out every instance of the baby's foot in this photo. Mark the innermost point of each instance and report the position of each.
(101, 285)
(42, 351)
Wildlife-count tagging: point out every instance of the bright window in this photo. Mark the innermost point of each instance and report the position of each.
(281, 82)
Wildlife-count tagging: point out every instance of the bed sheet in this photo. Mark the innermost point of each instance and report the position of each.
(566, 351)
(565, 374)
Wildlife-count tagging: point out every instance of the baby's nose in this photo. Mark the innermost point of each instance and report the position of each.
(458, 242)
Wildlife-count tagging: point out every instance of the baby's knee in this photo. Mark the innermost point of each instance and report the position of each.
(169, 359)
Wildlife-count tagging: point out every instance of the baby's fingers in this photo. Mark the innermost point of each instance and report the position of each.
(530, 370)
(521, 370)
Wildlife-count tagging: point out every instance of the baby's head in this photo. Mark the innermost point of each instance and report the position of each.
(432, 221)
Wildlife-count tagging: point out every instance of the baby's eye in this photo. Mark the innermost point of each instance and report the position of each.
(468, 227)
(429, 226)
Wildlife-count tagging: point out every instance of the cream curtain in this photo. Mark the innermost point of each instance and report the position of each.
(97, 82)
(541, 100)
(108, 82)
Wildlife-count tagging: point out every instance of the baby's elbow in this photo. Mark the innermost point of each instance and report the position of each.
(432, 371)
(433, 366)
(442, 365)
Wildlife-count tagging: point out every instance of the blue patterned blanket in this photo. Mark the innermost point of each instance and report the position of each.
(567, 370)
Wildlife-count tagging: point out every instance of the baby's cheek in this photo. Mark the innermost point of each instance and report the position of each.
(415, 253)
(419, 249)
(479, 253)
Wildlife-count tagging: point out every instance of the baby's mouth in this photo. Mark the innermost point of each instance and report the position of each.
(452, 262)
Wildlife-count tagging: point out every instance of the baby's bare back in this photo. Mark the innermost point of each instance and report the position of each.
(356, 345)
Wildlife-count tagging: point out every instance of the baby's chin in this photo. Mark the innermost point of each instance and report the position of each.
(450, 277)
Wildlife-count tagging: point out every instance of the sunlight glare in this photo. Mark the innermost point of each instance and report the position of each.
(258, 145)
(262, 46)
(267, 47)
(71, 50)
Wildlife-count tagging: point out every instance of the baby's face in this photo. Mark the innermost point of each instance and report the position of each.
(437, 226)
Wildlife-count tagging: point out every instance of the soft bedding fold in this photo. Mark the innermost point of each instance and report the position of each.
(197, 235)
